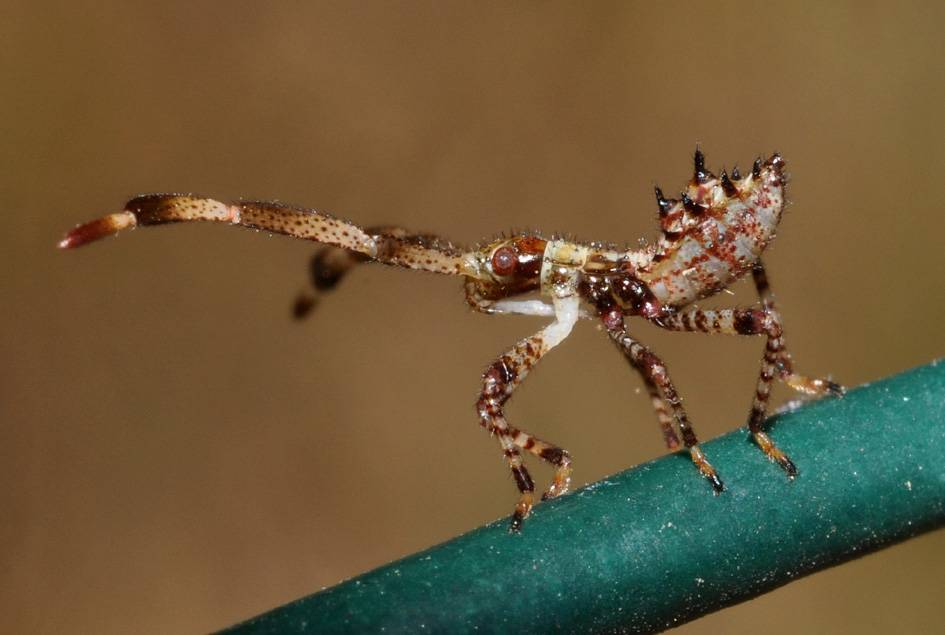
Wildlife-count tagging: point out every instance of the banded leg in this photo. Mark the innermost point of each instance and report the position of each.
(792, 379)
(498, 383)
(662, 391)
(774, 362)
(659, 405)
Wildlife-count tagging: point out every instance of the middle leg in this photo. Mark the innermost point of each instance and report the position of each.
(662, 391)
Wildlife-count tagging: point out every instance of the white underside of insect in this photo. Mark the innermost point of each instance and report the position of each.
(711, 237)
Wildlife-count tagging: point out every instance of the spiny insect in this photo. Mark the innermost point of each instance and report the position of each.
(711, 236)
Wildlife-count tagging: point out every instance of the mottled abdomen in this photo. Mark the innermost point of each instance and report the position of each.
(715, 233)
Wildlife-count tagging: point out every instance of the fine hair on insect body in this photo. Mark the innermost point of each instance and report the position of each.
(710, 237)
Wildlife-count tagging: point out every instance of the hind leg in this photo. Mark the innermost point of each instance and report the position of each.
(774, 363)
(792, 379)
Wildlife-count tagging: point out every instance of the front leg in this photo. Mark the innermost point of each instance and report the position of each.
(498, 384)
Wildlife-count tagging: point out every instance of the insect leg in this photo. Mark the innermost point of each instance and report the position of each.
(548, 452)
(745, 322)
(656, 376)
(330, 264)
(659, 404)
(795, 381)
(498, 383)
(326, 268)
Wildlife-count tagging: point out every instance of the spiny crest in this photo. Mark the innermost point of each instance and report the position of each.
(709, 194)
(727, 186)
(700, 175)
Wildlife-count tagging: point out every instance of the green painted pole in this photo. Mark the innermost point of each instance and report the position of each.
(652, 548)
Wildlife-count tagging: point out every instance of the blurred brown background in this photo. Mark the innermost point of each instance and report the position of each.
(176, 454)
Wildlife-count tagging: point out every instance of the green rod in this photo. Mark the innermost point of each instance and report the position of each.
(652, 548)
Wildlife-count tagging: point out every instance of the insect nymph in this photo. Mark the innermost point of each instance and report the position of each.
(712, 236)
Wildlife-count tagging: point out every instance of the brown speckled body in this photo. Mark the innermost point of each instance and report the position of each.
(713, 235)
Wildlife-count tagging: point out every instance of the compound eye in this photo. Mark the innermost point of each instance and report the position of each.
(504, 261)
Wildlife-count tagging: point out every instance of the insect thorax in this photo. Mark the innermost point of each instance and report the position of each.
(711, 237)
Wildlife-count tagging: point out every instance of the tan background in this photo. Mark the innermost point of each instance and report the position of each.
(177, 455)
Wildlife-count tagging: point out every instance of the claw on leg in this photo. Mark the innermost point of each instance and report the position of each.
(562, 479)
(522, 509)
(813, 386)
(706, 469)
(774, 453)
